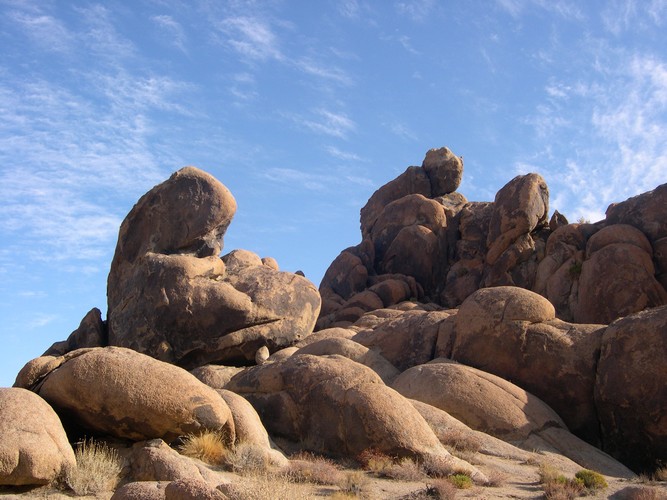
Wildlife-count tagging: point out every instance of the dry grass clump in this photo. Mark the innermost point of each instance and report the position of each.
(374, 461)
(263, 486)
(354, 483)
(437, 466)
(441, 489)
(97, 469)
(309, 468)
(496, 478)
(458, 440)
(208, 446)
(248, 458)
(660, 474)
(643, 493)
(558, 487)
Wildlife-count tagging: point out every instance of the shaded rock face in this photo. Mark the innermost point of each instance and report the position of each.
(433, 245)
(120, 392)
(170, 295)
(33, 444)
(631, 393)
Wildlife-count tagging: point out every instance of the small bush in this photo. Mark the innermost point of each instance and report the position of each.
(660, 474)
(248, 458)
(354, 482)
(437, 466)
(97, 469)
(643, 493)
(208, 446)
(562, 490)
(375, 461)
(458, 440)
(460, 481)
(438, 488)
(309, 468)
(405, 470)
(263, 486)
(496, 478)
(591, 480)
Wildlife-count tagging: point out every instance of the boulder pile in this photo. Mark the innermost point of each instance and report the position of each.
(488, 319)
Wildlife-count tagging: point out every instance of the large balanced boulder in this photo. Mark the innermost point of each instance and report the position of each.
(631, 393)
(513, 333)
(171, 296)
(122, 393)
(33, 444)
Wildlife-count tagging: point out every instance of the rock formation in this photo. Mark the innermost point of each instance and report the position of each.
(487, 320)
(421, 240)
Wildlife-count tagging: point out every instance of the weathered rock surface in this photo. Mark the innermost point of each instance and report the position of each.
(123, 393)
(445, 254)
(172, 297)
(334, 405)
(513, 333)
(33, 444)
(618, 276)
(631, 393)
(497, 407)
(92, 332)
(141, 490)
(407, 340)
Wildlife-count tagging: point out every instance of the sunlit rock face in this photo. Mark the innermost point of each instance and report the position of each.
(172, 297)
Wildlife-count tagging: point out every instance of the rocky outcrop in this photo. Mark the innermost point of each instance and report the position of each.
(120, 392)
(334, 405)
(33, 444)
(513, 333)
(433, 245)
(172, 297)
(631, 393)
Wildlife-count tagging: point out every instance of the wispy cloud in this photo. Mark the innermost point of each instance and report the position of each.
(251, 37)
(417, 10)
(344, 155)
(41, 320)
(327, 72)
(620, 112)
(47, 32)
(401, 130)
(328, 122)
(621, 15)
(565, 9)
(172, 30)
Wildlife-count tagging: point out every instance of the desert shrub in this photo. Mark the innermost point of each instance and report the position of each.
(660, 474)
(437, 466)
(460, 481)
(562, 490)
(208, 446)
(438, 488)
(591, 480)
(308, 468)
(458, 440)
(248, 458)
(643, 493)
(353, 482)
(375, 461)
(405, 469)
(263, 486)
(97, 469)
(558, 487)
(496, 478)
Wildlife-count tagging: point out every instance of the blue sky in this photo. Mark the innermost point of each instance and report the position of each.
(302, 109)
